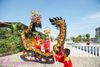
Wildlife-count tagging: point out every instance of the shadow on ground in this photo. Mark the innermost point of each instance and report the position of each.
(38, 60)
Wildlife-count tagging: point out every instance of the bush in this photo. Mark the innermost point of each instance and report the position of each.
(11, 44)
(10, 41)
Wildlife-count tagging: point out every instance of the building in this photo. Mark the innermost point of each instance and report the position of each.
(97, 30)
(93, 39)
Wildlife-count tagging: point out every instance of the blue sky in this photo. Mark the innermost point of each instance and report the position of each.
(82, 16)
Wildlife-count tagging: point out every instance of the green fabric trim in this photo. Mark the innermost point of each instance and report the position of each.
(43, 36)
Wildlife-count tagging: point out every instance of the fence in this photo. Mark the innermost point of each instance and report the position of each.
(84, 50)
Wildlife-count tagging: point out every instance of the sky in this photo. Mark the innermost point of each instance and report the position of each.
(81, 16)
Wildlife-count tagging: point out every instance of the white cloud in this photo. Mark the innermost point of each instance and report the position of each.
(94, 16)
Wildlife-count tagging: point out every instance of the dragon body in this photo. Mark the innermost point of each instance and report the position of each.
(28, 41)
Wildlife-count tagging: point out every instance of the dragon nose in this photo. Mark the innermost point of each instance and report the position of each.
(51, 20)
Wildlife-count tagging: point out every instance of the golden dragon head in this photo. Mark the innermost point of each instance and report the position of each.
(57, 21)
(36, 19)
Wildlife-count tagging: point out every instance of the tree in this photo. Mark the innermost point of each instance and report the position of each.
(88, 38)
(79, 38)
(97, 36)
(16, 28)
(73, 38)
(83, 38)
(10, 42)
(52, 39)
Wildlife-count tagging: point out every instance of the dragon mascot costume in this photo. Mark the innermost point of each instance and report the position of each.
(29, 41)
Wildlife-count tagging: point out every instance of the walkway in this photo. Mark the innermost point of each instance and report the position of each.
(16, 61)
(80, 58)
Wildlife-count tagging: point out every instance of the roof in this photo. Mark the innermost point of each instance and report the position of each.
(5, 24)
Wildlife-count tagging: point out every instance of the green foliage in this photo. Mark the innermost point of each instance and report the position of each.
(43, 36)
(77, 39)
(73, 38)
(81, 38)
(87, 37)
(10, 41)
(4, 33)
(52, 39)
(11, 44)
(16, 28)
(97, 36)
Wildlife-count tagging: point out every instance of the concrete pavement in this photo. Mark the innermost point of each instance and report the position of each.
(15, 61)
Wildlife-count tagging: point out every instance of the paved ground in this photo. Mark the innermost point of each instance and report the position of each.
(16, 61)
(86, 62)
(79, 59)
